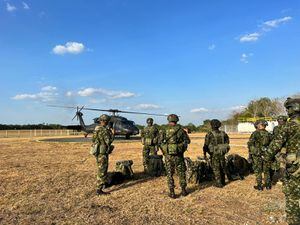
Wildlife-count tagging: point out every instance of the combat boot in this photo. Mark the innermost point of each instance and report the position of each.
(219, 185)
(101, 192)
(184, 192)
(268, 186)
(259, 187)
(172, 194)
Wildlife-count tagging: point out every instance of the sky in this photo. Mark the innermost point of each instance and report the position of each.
(198, 59)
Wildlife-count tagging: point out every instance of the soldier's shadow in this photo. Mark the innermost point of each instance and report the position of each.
(139, 177)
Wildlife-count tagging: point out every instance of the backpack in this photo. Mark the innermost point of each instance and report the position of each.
(218, 146)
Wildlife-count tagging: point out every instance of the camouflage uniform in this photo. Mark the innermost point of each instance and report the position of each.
(104, 137)
(173, 142)
(149, 137)
(213, 139)
(279, 161)
(257, 145)
(289, 136)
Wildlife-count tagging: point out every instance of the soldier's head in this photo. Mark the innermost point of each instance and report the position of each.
(104, 119)
(292, 106)
(173, 119)
(215, 124)
(149, 121)
(261, 124)
(282, 120)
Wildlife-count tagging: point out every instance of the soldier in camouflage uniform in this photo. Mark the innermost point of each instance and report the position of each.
(278, 162)
(257, 145)
(289, 136)
(217, 145)
(149, 137)
(173, 142)
(102, 138)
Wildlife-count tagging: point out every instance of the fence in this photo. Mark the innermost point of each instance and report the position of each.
(36, 133)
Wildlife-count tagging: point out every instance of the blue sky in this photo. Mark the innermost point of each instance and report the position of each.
(198, 59)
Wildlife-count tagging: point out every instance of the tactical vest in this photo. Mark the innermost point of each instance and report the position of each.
(149, 136)
(172, 143)
(293, 149)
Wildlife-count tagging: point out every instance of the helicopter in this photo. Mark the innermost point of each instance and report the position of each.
(119, 124)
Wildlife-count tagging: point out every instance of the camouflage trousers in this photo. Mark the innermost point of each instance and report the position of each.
(173, 162)
(218, 165)
(291, 189)
(147, 151)
(261, 167)
(102, 165)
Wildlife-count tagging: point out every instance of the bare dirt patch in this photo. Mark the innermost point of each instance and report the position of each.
(54, 183)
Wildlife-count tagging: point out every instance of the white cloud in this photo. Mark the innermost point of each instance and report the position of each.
(47, 94)
(264, 27)
(69, 94)
(24, 96)
(25, 5)
(108, 93)
(277, 22)
(211, 47)
(199, 110)
(250, 37)
(41, 96)
(10, 8)
(238, 108)
(147, 106)
(123, 95)
(245, 57)
(69, 47)
(49, 88)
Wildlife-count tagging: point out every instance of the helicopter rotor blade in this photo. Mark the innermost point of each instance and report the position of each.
(108, 110)
(121, 111)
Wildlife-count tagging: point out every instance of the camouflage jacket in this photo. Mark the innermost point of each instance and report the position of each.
(214, 138)
(149, 135)
(288, 136)
(276, 129)
(173, 136)
(259, 142)
(103, 136)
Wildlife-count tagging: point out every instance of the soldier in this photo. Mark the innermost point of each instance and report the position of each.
(281, 122)
(149, 139)
(278, 162)
(257, 145)
(289, 136)
(173, 143)
(217, 145)
(102, 141)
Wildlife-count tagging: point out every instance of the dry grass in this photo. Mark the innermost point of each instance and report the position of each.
(54, 183)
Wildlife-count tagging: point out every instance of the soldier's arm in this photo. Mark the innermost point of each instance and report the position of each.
(206, 143)
(226, 138)
(251, 141)
(278, 142)
(95, 136)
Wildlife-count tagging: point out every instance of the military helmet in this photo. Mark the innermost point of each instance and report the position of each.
(173, 118)
(215, 123)
(104, 117)
(262, 122)
(282, 118)
(149, 120)
(293, 103)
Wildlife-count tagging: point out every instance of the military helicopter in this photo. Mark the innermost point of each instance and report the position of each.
(120, 125)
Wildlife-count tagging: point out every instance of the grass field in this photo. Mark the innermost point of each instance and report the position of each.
(54, 183)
